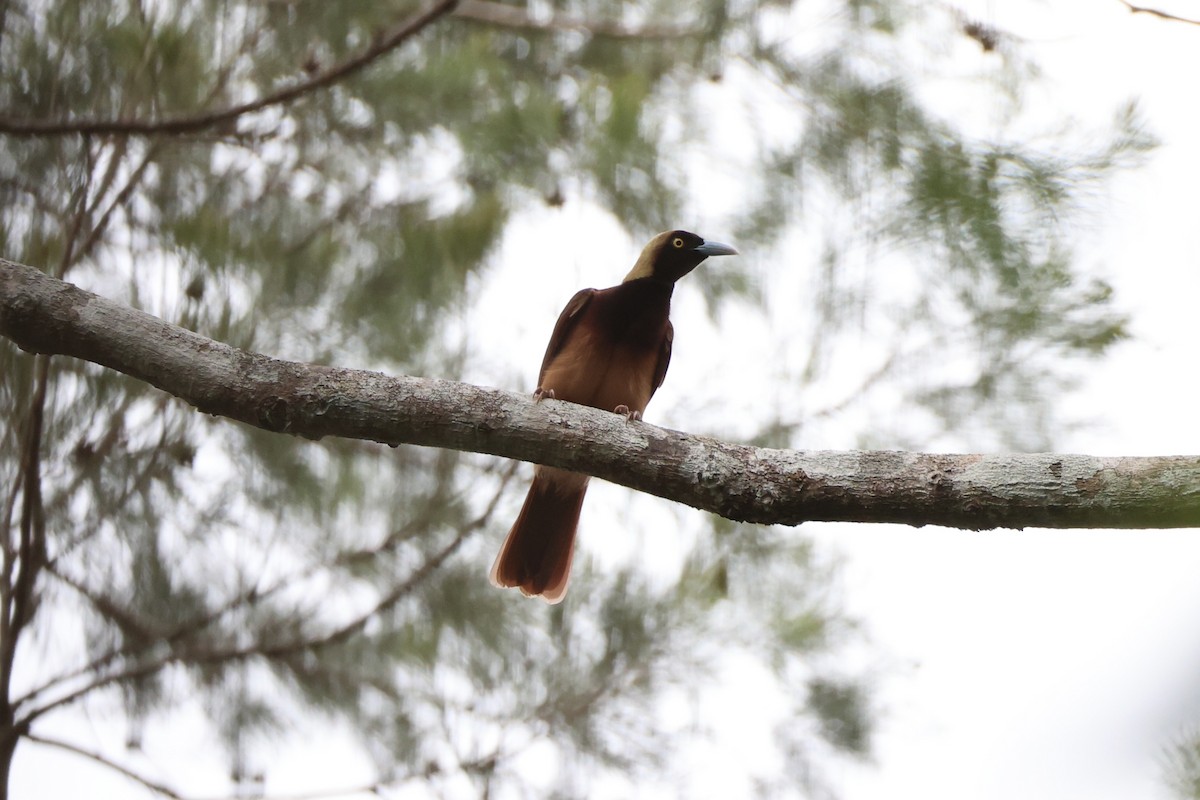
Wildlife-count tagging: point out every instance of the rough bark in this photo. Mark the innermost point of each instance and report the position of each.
(44, 315)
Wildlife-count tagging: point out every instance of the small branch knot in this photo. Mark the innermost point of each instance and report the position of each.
(274, 414)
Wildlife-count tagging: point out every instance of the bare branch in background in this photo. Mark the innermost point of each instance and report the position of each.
(375, 787)
(103, 760)
(198, 122)
(511, 16)
(1156, 13)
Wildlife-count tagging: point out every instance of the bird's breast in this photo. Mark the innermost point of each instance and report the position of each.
(612, 354)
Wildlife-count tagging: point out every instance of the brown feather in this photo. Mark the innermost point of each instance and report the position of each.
(610, 349)
(536, 555)
(563, 327)
(664, 359)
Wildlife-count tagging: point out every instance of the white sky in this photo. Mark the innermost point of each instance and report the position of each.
(1030, 665)
(1057, 664)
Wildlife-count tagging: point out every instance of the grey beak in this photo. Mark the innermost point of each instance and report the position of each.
(715, 249)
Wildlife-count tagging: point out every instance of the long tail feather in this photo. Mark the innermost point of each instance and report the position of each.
(536, 555)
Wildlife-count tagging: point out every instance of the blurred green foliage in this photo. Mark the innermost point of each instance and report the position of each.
(1181, 765)
(288, 581)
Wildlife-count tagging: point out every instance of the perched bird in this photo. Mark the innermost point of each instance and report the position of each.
(610, 349)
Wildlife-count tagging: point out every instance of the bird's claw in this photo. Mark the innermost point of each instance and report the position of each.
(631, 416)
(543, 394)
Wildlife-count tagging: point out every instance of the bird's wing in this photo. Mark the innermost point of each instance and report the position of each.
(664, 359)
(562, 329)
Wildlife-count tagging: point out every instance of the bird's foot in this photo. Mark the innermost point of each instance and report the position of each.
(543, 394)
(632, 416)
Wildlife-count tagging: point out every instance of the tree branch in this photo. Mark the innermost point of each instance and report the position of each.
(44, 315)
(1154, 12)
(180, 651)
(100, 758)
(196, 122)
(512, 16)
(374, 787)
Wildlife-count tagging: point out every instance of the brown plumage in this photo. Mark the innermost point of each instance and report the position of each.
(610, 349)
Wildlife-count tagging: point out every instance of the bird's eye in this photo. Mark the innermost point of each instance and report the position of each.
(677, 243)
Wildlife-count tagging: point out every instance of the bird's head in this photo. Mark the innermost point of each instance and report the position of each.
(672, 254)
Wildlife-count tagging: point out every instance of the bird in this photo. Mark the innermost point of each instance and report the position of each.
(610, 349)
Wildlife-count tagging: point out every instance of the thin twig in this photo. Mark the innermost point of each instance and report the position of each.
(120, 201)
(187, 629)
(373, 787)
(20, 599)
(198, 122)
(282, 649)
(512, 16)
(1154, 12)
(104, 760)
(398, 592)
